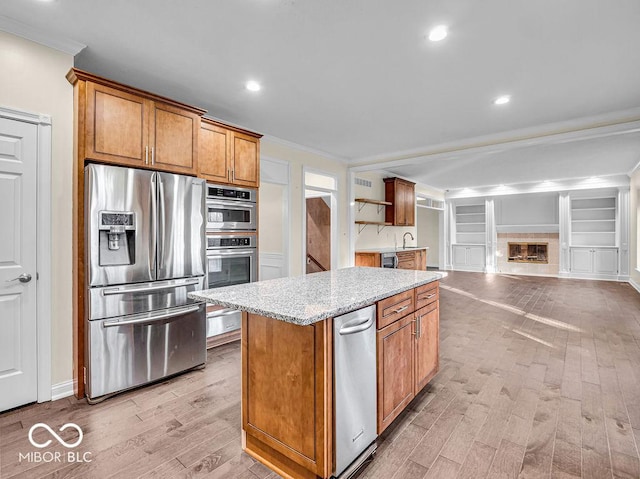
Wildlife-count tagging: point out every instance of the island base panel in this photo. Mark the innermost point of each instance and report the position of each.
(287, 394)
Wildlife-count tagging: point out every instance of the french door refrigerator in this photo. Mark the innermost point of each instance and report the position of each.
(144, 252)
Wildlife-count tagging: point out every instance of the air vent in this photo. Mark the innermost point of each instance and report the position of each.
(363, 182)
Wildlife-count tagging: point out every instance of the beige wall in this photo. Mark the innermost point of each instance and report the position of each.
(298, 159)
(271, 197)
(428, 229)
(33, 80)
(634, 221)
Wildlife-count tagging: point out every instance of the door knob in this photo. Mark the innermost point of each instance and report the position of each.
(23, 278)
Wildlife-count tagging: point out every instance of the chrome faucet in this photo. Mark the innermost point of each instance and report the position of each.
(404, 239)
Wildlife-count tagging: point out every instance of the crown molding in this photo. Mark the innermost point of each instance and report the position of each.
(569, 184)
(634, 169)
(614, 123)
(48, 39)
(307, 149)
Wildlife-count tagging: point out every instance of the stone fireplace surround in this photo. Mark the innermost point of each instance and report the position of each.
(551, 268)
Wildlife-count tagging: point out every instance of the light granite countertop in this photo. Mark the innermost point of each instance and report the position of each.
(313, 297)
(391, 250)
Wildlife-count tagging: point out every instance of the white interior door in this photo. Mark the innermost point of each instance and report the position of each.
(18, 353)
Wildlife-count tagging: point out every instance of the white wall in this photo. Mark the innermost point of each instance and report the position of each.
(634, 224)
(297, 159)
(33, 79)
(529, 209)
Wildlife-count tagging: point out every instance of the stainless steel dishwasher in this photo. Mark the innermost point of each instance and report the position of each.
(355, 388)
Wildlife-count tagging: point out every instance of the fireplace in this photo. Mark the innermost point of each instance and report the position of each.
(528, 253)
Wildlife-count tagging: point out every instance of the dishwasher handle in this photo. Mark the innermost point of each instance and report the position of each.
(355, 326)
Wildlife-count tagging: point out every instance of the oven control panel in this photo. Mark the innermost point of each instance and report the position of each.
(222, 192)
(230, 241)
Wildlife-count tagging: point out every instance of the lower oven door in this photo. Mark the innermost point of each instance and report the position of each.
(133, 350)
(232, 266)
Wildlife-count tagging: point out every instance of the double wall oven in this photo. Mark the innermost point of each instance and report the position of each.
(232, 255)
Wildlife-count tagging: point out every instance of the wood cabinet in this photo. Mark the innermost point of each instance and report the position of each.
(124, 126)
(396, 389)
(229, 155)
(408, 349)
(468, 257)
(287, 414)
(412, 259)
(401, 194)
(427, 345)
(368, 259)
(421, 259)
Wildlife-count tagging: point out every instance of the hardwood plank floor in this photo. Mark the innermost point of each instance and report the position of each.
(540, 377)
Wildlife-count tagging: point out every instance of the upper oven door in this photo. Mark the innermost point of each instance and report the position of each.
(231, 215)
(229, 267)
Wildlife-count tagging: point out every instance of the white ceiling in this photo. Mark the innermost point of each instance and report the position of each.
(357, 78)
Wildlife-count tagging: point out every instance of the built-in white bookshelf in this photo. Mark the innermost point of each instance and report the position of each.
(470, 224)
(593, 221)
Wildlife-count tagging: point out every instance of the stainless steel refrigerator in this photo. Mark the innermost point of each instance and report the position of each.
(144, 252)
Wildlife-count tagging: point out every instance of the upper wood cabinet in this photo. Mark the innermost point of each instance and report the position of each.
(121, 125)
(401, 193)
(229, 155)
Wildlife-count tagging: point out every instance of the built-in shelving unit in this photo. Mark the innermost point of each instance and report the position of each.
(593, 221)
(470, 224)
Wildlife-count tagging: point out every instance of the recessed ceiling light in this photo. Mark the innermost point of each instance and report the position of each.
(438, 33)
(502, 100)
(252, 85)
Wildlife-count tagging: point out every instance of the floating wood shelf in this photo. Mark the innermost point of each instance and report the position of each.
(364, 224)
(366, 201)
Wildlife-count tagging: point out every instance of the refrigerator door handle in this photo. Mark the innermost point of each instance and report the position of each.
(154, 220)
(161, 223)
(152, 317)
(126, 290)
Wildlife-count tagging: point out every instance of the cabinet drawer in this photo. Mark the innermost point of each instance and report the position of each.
(427, 294)
(395, 307)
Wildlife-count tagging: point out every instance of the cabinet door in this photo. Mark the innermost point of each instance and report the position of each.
(246, 166)
(368, 259)
(581, 260)
(214, 153)
(400, 205)
(421, 259)
(475, 257)
(173, 137)
(409, 204)
(407, 260)
(459, 254)
(427, 344)
(395, 369)
(116, 126)
(605, 261)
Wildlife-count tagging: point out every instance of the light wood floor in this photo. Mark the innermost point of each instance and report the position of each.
(539, 378)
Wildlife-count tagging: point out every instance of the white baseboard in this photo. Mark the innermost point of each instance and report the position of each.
(62, 390)
(635, 285)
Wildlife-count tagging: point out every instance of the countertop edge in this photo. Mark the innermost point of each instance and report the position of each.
(319, 317)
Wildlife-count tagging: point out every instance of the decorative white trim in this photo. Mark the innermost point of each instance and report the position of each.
(273, 261)
(613, 123)
(308, 149)
(43, 261)
(47, 39)
(634, 285)
(26, 116)
(61, 390)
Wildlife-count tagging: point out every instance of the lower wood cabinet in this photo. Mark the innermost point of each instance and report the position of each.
(368, 259)
(395, 369)
(407, 260)
(427, 345)
(408, 353)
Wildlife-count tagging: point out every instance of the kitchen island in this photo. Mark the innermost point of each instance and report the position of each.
(288, 392)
